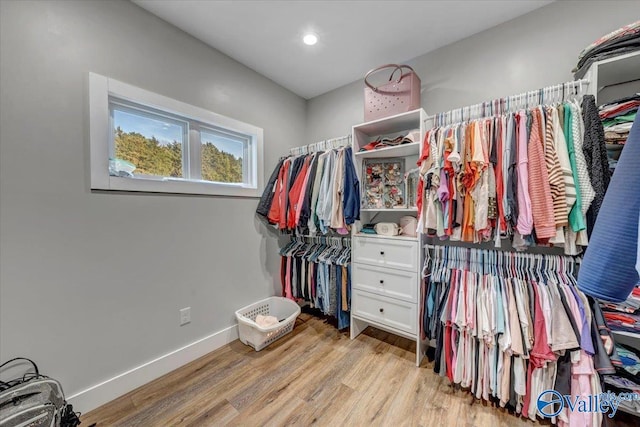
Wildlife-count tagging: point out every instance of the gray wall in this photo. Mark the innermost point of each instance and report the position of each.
(527, 53)
(91, 283)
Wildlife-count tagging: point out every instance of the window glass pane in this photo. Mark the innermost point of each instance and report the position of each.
(152, 143)
(222, 157)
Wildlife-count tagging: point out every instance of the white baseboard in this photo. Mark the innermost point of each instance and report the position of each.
(99, 394)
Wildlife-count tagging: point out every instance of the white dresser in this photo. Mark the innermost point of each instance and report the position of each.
(385, 289)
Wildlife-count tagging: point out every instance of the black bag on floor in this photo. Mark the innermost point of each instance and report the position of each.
(34, 400)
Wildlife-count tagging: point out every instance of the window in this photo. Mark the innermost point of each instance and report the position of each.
(222, 155)
(141, 141)
(148, 145)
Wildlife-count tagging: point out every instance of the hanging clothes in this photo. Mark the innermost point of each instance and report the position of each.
(318, 271)
(313, 192)
(526, 175)
(502, 332)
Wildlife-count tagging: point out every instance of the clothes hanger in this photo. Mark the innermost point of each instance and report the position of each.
(486, 262)
(494, 263)
(285, 251)
(520, 266)
(312, 247)
(492, 270)
(347, 256)
(337, 252)
(330, 255)
(527, 267)
(533, 264)
(549, 268)
(436, 266)
(560, 270)
(315, 252)
(561, 267)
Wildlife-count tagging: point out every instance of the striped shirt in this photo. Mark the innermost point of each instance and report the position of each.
(539, 187)
(563, 157)
(556, 179)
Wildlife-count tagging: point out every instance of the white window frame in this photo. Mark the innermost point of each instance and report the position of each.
(102, 88)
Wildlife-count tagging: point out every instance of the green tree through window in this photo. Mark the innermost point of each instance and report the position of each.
(165, 159)
(220, 166)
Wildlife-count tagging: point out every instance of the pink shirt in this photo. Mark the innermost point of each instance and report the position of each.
(525, 215)
(303, 193)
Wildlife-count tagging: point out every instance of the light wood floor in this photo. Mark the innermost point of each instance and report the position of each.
(315, 375)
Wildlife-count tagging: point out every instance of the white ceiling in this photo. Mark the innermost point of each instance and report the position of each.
(354, 36)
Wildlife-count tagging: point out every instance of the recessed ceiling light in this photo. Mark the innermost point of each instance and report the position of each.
(310, 39)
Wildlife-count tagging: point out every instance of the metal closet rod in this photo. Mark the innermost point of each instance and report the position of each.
(326, 240)
(461, 253)
(555, 93)
(327, 144)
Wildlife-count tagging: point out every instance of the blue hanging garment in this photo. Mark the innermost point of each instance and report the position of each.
(609, 270)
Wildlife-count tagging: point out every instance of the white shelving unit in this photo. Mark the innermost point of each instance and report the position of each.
(386, 270)
(612, 79)
(621, 72)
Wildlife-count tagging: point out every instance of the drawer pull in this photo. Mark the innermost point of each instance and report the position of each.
(381, 281)
(382, 310)
(381, 252)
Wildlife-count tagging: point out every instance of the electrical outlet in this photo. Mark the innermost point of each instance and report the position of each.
(185, 316)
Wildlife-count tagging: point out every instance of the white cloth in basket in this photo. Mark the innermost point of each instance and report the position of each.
(266, 321)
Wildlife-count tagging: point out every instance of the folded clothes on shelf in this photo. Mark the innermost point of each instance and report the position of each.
(612, 136)
(617, 118)
(630, 305)
(627, 360)
(380, 142)
(619, 108)
(620, 127)
(368, 229)
(619, 42)
(622, 383)
(625, 322)
(627, 117)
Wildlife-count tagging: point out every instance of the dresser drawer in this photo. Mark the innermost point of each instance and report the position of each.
(386, 282)
(390, 312)
(392, 253)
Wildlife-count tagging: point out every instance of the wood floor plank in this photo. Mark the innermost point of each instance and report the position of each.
(313, 376)
(276, 371)
(362, 373)
(376, 400)
(409, 400)
(111, 413)
(219, 414)
(330, 411)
